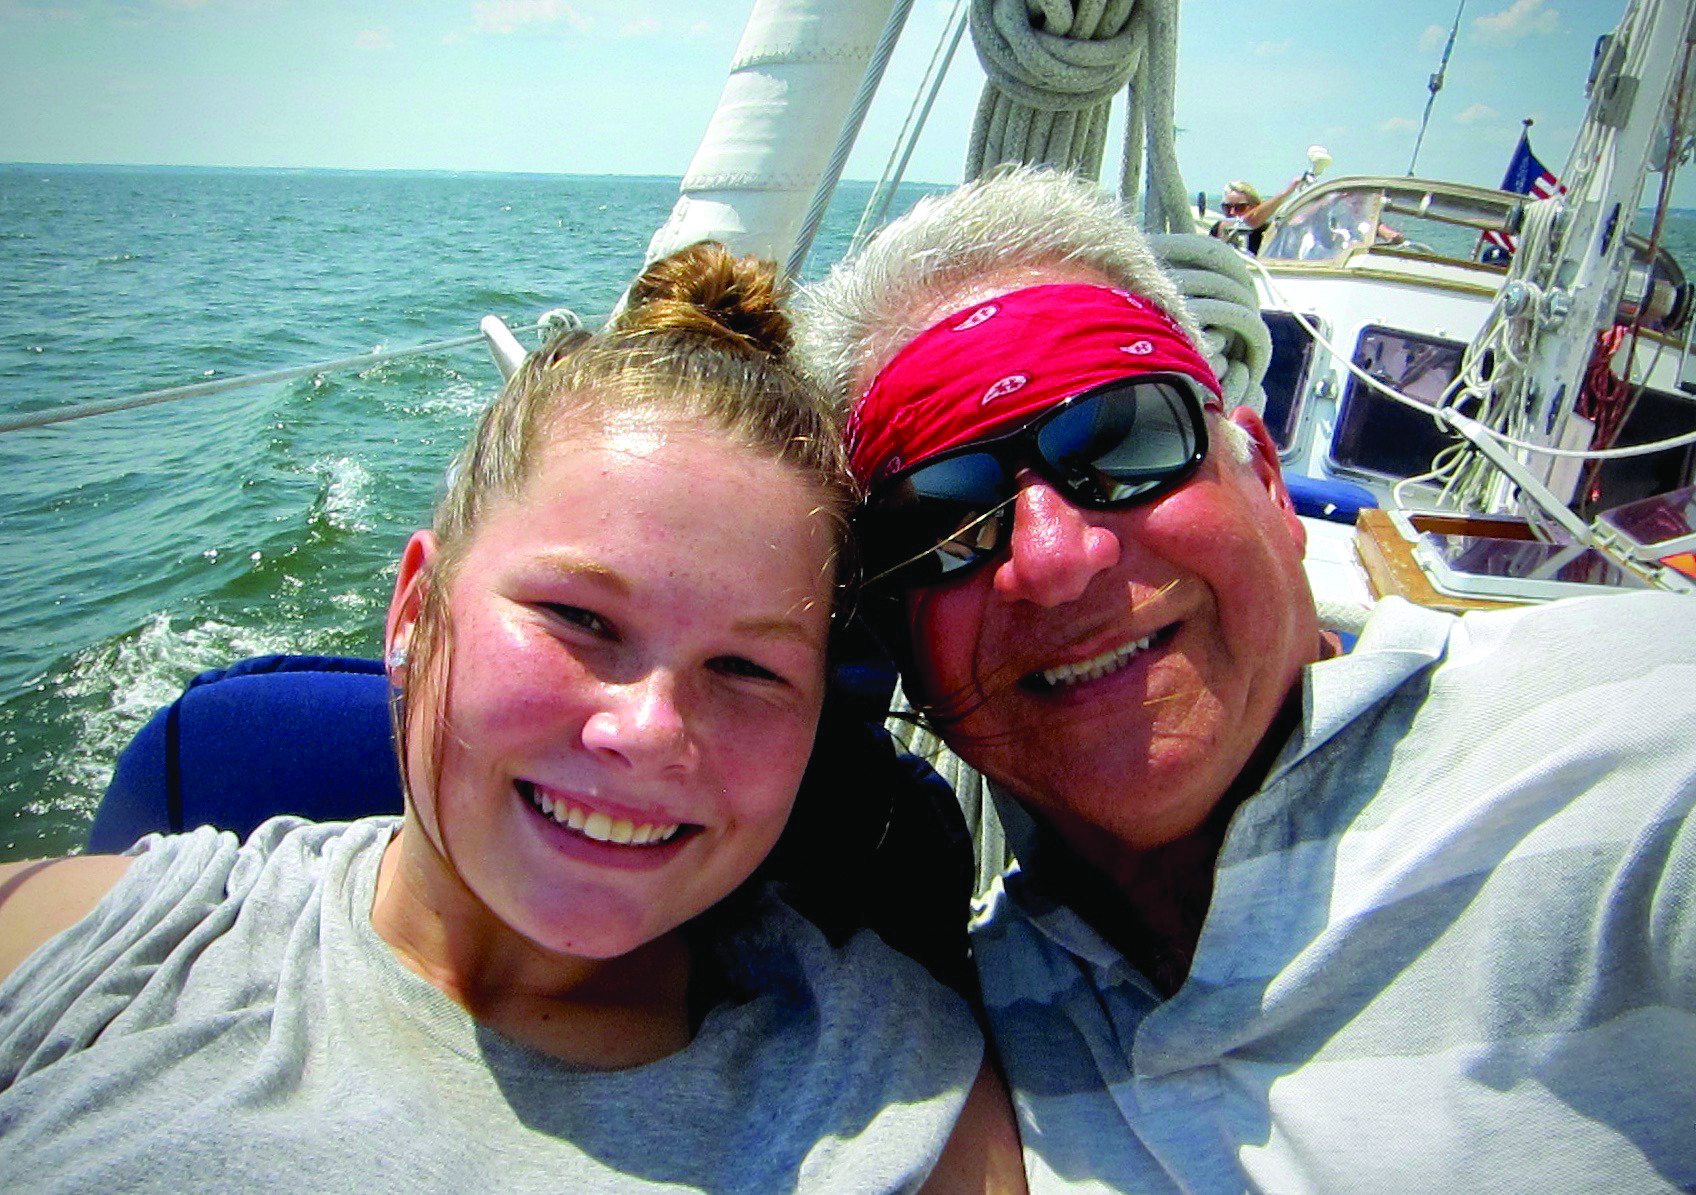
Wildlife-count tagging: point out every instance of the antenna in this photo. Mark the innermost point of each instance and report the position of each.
(1436, 85)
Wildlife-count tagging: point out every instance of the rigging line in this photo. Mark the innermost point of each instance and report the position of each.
(942, 59)
(1669, 170)
(869, 82)
(107, 406)
(1436, 85)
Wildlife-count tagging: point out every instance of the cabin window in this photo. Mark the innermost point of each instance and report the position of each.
(1378, 435)
(1287, 375)
(1326, 230)
(1655, 415)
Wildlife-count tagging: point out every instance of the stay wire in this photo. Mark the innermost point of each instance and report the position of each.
(107, 406)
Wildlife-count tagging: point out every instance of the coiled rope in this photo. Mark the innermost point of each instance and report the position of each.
(1215, 282)
(107, 406)
(1499, 400)
(1053, 69)
(1053, 72)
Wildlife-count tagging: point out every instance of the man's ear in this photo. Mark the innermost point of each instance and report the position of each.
(1269, 471)
(410, 583)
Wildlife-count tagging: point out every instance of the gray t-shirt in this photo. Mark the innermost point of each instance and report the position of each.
(228, 1019)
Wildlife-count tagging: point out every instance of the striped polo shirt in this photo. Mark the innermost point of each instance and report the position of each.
(1451, 945)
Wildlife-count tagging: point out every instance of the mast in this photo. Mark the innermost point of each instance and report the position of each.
(1568, 277)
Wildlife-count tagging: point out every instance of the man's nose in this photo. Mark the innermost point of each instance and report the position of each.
(643, 724)
(1055, 550)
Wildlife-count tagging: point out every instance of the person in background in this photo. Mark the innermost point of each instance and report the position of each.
(553, 971)
(1246, 213)
(1418, 917)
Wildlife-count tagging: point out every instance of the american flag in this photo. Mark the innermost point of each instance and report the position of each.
(1525, 176)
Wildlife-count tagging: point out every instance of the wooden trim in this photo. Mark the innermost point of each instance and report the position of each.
(1390, 567)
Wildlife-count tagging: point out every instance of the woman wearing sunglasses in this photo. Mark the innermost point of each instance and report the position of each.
(1246, 213)
(553, 972)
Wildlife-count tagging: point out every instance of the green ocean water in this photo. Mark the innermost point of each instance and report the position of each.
(138, 549)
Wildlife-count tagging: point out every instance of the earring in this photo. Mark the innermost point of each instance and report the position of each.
(397, 657)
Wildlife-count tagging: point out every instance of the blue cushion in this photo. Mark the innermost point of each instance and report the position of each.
(1327, 497)
(307, 735)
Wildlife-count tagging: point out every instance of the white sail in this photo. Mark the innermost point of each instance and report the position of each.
(791, 86)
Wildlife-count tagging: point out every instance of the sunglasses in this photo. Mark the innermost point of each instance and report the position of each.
(1228, 208)
(1118, 445)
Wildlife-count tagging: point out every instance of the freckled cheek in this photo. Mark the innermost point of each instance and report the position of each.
(506, 680)
(760, 764)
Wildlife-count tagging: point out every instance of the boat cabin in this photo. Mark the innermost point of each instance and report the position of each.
(1396, 276)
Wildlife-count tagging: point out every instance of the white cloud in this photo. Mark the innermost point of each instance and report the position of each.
(1398, 124)
(1477, 114)
(1520, 19)
(509, 16)
(644, 27)
(1270, 49)
(1432, 39)
(374, 39)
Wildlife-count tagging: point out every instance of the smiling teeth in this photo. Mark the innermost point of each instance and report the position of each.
(603, 828)
(1111, 661)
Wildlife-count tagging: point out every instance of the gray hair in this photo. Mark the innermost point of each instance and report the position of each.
(1237, 440)
(1019, 219)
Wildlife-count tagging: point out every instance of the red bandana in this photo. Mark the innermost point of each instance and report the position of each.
(993, 367)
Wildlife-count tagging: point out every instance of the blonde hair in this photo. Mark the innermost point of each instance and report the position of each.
(1246, 190)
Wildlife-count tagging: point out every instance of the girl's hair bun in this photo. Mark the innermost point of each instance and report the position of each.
(707, 291)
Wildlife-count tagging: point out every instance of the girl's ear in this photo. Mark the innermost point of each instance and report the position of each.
(410, 583)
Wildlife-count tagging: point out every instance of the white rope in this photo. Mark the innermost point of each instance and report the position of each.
(1498, 401)
(1219, 290)
(1150, 114)
(1053, 68)
(1341, 614)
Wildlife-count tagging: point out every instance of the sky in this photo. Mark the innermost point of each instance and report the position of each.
(627, 86)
